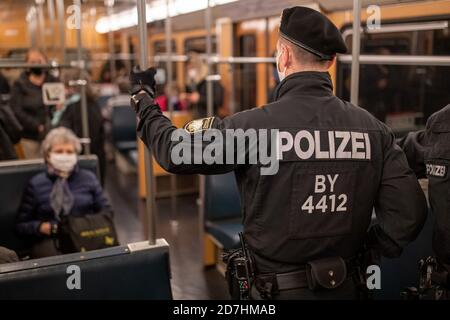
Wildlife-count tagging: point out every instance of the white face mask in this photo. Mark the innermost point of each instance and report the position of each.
(192, 74)
(63, 162)
(281, 74)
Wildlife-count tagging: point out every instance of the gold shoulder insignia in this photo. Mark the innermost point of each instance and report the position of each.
(199, 125)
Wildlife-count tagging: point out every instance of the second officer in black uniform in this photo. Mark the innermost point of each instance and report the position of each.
(305, 224)
(428, 154)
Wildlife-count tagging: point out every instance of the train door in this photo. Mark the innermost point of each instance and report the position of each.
(250, 78)
(246, 73)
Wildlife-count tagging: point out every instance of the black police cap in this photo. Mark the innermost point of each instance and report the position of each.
(311, 31)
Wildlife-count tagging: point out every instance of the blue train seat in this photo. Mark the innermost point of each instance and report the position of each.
(136, 271)
(123, 122)
(102, 100)
(223, 219)
(14, 177)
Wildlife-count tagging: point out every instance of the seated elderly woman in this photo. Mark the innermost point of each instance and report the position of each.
(63, 189)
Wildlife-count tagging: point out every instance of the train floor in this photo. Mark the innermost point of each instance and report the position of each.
(190, 280)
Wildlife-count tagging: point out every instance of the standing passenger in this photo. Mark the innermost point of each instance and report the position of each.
(197, 71)
(27, 103)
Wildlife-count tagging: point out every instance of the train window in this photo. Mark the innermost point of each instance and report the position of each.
(198, 44)
(71, 54)
(159, 47)
(428, 38)
(403, 96)
(17, 54)
(245, 76)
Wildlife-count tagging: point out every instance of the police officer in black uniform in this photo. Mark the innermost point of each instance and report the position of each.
(428, 154)
(304, 225)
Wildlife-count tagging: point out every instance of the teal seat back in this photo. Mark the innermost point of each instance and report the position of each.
(222, 199)
(14, 177)
(136, 271)
(123, 123)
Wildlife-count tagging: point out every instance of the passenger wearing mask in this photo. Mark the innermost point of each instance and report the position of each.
(196, 93)
(63, 189)
(27, 103)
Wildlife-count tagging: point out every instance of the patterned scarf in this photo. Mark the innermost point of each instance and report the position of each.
(61, 198)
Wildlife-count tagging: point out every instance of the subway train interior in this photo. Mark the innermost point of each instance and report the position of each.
(66, 105)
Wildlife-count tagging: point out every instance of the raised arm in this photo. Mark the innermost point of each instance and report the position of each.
(180, 151)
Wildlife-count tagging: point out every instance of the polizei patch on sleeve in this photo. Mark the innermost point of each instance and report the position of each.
(435, 170)
(199, 125)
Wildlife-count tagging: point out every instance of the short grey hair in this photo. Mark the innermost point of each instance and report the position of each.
(60, 135)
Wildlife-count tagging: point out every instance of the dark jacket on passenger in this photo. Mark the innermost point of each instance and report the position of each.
(71, 118)
(297, 215)
(4, 85)
(10, 133)
(28, 105)
(201, 107)
(35, 208)
(428, 153)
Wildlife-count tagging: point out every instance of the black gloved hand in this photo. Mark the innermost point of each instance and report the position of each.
(143, 81)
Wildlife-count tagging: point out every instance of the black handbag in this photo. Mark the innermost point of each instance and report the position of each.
(86, 233)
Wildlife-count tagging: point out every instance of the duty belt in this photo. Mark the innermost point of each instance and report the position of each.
(288, 281)
(326, 273)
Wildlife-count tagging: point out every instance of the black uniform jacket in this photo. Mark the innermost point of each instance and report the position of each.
(336, 164)
(428, 153)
